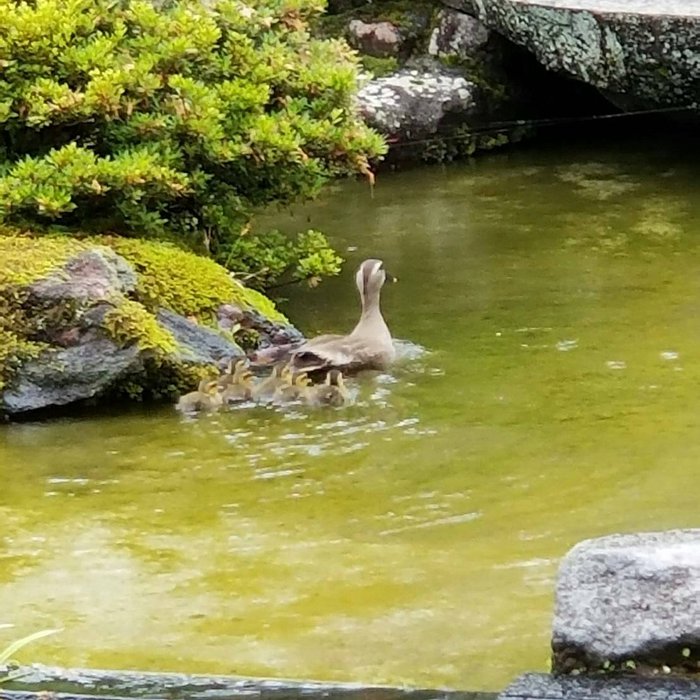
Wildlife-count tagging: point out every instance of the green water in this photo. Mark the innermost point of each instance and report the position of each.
(413, 537)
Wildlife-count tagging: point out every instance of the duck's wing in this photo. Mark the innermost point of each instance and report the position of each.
(333, 351)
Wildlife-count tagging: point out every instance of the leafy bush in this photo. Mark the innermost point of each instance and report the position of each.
(273, 256)
(177, 120)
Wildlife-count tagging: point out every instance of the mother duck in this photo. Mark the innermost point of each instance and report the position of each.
(367, 346)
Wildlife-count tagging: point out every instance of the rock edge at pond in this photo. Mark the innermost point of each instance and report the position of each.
(411, 103)
(84, 683)
(630, 603)
(461, 87)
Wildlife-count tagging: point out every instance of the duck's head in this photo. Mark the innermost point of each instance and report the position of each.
(283, 371)
(301, 379)
(371, 276)
(208, 386)
(239, 369)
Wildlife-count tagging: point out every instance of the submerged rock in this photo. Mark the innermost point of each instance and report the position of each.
(630, 602)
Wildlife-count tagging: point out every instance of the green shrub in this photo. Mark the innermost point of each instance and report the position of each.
(173, 121)
(273, 256)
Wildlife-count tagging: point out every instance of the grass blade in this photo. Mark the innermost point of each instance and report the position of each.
(9, 651)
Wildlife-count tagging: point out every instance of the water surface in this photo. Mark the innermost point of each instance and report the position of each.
(413, 537)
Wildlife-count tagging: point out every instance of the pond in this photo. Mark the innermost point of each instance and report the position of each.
(413, 537)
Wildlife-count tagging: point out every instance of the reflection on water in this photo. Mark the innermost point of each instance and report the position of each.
(412, 537)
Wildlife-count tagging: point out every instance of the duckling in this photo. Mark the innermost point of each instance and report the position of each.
(240, 387)
(206, 398)
(233, 373)
(293, 390)
(226, 376)
(332, 392)
(279, 377)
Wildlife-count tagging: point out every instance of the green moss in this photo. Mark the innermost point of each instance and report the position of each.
(184, 282)
(379, 66)
(484, 73)
(159, 380)
(130, 322)
(24, 260)
(462, 143)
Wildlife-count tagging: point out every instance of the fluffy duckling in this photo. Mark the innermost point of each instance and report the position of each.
(294, 390)
(232, 373)
(332, 392)
(237, 386)
(279, 377)
(206, 398)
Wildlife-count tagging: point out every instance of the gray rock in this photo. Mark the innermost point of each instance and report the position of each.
(628, 597)
(380, 39)
(197, 344)
(544, 686)
(228, 316)
(414, 103)
(61, 377)
(645, 51)
(92, 275)
(271, 332)
(457, 35)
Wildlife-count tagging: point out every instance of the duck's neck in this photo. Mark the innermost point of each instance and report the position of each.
(371, 319)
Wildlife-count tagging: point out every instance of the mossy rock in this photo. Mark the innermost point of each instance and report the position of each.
(60, 296)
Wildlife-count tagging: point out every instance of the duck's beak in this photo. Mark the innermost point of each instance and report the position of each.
(390, 278)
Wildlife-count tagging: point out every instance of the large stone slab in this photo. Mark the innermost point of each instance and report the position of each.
(629, 602)
(638, 52)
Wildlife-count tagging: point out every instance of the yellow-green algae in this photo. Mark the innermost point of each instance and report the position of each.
(167, 277)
